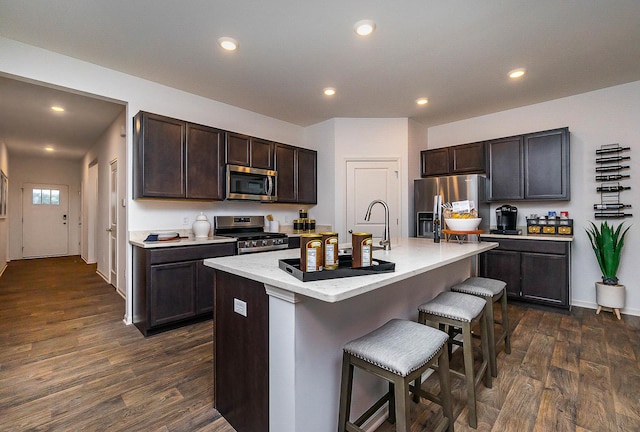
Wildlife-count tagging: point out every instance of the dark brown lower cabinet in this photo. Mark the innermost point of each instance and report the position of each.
(241, 353)
(536, 271)
(172, 286)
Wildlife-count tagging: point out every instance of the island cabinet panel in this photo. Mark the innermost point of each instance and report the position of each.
(172, 286)
(297, 174)
(177, 159)
(249, 151)
(536, 271)
(241, 353)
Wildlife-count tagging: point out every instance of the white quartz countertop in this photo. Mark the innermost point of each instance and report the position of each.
(136, 238)
(411, 256)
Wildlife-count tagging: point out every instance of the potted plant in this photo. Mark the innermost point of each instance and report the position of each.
(607, 242)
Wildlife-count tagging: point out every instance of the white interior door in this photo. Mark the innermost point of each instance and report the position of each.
(113, 225)
(45, 220)
(369, 180)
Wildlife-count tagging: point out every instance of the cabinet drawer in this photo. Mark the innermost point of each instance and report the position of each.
(539, 246)
(189, 253)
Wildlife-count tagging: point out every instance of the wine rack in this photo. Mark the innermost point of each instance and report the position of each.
(612, 170)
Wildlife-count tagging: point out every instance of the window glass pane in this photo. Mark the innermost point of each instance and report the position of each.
(46, 196)
(37, 196)
(55, 197)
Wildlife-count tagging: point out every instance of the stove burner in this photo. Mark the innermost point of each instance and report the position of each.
(249, 230)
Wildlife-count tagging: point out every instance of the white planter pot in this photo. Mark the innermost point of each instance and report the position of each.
(610, 296)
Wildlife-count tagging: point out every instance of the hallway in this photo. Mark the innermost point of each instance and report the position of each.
(68, 362)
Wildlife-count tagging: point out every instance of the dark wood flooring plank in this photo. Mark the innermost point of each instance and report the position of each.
(595, 399)
(536, 362)
(566, 353)
(521, 407)
(557, 410)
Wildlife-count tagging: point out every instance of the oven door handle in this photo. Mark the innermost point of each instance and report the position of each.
(269, 185)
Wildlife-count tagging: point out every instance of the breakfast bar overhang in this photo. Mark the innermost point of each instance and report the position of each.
(297, 357)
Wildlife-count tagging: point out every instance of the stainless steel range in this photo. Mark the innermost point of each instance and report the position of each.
(249, 230)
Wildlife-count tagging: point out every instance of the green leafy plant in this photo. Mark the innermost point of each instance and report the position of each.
(607, 243)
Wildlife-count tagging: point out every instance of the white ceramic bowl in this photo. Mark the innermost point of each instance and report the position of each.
(463, 224)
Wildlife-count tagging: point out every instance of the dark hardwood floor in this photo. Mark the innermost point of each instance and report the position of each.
(577, 372)
(68, 363)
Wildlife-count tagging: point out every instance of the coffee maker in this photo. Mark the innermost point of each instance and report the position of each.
(506, 220)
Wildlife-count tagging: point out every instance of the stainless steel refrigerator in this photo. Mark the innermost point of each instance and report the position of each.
(452, 188)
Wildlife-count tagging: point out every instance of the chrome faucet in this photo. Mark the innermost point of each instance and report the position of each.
(386, 238)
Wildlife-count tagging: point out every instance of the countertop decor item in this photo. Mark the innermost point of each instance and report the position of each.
(201, 226)
(607, 242)
(469, 224)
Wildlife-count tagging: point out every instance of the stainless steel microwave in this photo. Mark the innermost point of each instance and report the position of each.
(255, 184)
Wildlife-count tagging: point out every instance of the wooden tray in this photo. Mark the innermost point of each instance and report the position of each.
(292, 266)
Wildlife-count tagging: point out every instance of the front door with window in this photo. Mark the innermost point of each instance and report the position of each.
(45, 220)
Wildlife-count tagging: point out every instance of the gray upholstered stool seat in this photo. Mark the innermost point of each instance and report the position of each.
(492, 290)
(462, 311)
(399, 351)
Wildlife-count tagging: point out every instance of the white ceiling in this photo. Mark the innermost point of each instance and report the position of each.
(457, 53)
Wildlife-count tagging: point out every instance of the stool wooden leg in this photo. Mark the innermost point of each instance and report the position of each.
(445, 388)
(345, 392)
(484, 342)
(467, 350)
(403, 422)
(491, 337)
(505, 323)
(392, 404)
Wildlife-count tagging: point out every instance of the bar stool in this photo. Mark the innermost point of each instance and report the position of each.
(462, 311)
(400, 351)
(491, 290)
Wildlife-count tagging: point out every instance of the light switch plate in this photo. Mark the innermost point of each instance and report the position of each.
(240, 307)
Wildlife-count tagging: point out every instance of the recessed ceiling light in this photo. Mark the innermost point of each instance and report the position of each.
(228, 44)
(517, 73)
(57, 108)
(49, 149)
(422, 101)
(329, 91)
(364, 27)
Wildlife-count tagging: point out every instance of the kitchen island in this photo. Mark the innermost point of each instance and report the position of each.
(278, 341)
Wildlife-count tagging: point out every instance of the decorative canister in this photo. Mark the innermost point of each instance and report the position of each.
(361, 244)
(311, 258)
(201, 226)
(303, 214)
(330, 245)
(297, 226)
(312, 225)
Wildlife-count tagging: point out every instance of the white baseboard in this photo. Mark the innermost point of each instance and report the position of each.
(594, 306)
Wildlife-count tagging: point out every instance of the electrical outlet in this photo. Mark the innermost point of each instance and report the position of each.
(240, 307)
(185, 220)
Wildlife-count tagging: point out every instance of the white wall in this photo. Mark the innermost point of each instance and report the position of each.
(111, 145)
(369, 138)
(49, 171)
(4, 222)
(600, 117)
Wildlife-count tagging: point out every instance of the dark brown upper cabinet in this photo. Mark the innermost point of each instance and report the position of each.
(533, 167)
(176, 159)
(460, 159)
(297, 174)
(249, 151)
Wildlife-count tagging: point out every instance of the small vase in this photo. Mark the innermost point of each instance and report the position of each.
(610, 296)
(201, 226)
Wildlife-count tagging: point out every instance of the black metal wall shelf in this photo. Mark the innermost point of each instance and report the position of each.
(611, 171)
